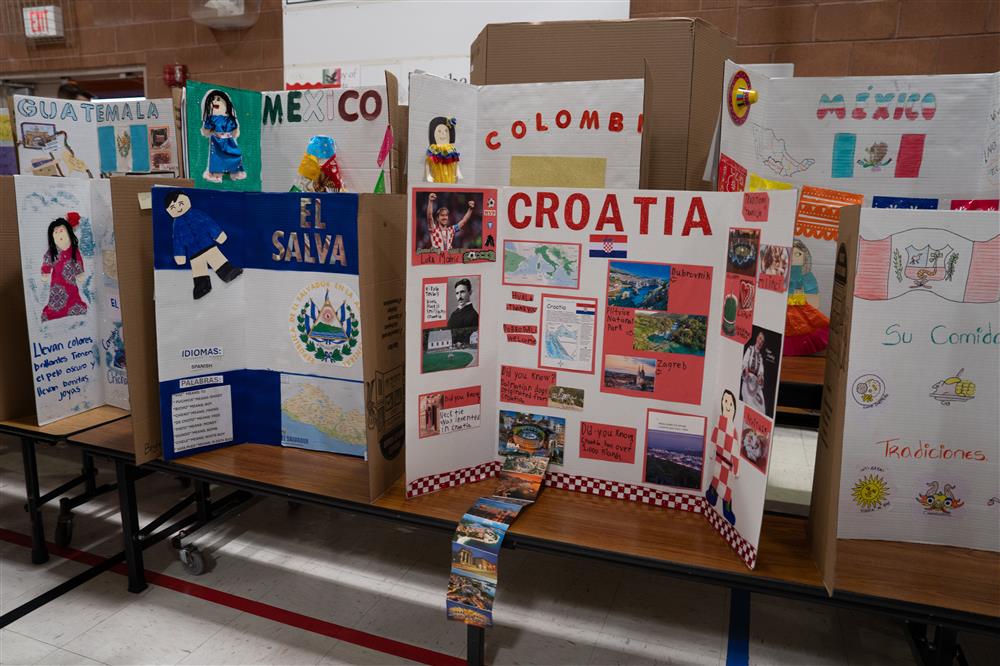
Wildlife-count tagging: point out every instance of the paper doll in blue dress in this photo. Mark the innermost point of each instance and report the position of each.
(222, 129)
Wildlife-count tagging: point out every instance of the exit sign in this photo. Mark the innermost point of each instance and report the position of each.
(43, 21)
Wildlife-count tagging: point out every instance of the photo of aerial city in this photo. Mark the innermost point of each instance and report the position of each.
(674, 458)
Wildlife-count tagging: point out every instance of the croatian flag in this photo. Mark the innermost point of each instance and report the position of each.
(609, 246)
(586, 309)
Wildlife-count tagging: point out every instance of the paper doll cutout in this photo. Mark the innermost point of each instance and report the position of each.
(441, 164)
(62, 267)
(442, 229)
(726, 461)
(196, 240)
(220, 125)
(807, 329)
(318, 170)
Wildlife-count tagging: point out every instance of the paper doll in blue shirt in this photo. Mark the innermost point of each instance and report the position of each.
(197, 238)
(220, 125)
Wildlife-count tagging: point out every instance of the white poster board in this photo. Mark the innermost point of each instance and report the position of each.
(355, 118)
(892, 139)
(258, 320)
(58, 137)
(636, 332)
(71, 295)
(541, 133)
(921, 457)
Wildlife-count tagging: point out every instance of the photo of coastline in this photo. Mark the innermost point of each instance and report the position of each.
(632, 284)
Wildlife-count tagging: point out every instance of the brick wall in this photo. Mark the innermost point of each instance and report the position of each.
(853, 37)
(112, 33)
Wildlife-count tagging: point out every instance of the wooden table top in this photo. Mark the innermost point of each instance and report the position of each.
(957, 578)
(803, 369)
(681, 538)
(65, 427)
(951, 578)
(314, 472)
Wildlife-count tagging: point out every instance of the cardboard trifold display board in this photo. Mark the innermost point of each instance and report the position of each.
(636, 334)
(899, 141)
(325, 140)
(908, 447)
(133, 240)
(682, 59)
(72, 304)
(582, 133)
(279, 321)
(59, 137)
(924, 142)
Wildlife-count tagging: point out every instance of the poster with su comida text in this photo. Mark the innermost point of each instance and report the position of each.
(921, 457)
(632, 333)
(70, 278)
(258, 320)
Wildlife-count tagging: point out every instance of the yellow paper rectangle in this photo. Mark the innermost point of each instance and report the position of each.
(556, 171)
(757, 184)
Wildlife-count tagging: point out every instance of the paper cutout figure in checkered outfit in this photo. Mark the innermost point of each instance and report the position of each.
(197, 238)
(727, 462)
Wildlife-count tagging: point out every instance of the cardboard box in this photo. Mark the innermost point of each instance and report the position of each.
(685, 60)
(829, 452)
(16, 393)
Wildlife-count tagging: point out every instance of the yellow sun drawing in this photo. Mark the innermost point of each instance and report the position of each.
(870, 492)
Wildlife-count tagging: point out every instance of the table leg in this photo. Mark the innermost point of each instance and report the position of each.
(476, 647)
(941, 650)
(131, 536)
(39, 551)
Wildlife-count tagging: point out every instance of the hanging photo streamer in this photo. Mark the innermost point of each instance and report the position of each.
(475, 547)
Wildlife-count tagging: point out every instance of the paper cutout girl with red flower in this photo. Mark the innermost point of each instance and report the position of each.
(726, 460)
(441, 164)
(62, 268)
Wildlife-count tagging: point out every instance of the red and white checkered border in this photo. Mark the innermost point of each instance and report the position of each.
(625, 491)
(744, 549)
(435, 482)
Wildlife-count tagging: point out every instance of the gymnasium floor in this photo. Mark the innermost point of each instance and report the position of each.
(313, 586)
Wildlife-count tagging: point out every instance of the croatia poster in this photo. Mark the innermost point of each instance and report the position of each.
(625, 331)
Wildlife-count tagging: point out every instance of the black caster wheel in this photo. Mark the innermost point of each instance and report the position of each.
(64, 530)
(193, 560)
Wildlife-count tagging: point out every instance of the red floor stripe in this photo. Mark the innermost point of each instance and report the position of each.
(266, 611)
